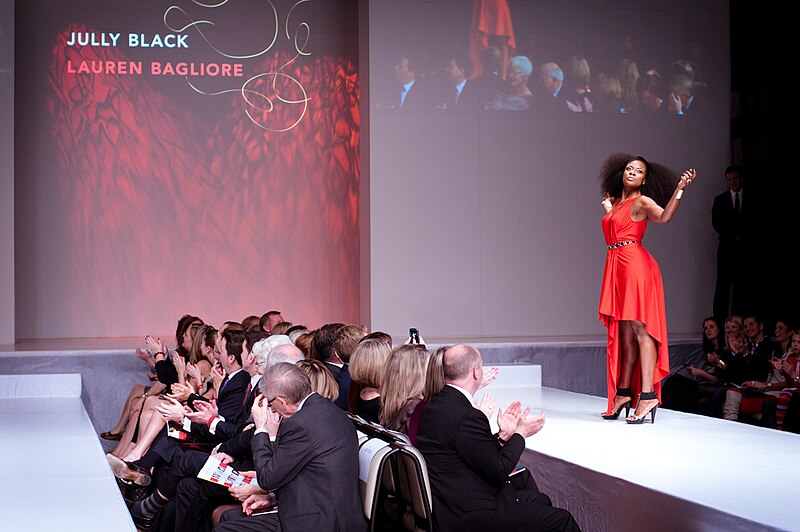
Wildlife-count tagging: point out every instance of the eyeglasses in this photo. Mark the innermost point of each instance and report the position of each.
(270, 401)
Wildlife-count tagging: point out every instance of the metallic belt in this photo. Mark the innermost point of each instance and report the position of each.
(625, 243)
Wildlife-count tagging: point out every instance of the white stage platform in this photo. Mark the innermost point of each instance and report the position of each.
(61, 480)
(685, 472)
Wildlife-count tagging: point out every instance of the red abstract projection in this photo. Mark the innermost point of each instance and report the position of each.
(169, 214)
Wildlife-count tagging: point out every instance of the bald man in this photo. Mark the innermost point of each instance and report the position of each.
(469, 467)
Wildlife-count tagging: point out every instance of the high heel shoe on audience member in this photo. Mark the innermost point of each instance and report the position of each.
(621, 393)
(650, 409)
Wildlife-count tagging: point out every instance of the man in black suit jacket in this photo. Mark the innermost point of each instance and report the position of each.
(736, 291)
(486, 90)
(469, 467)
(306, 450)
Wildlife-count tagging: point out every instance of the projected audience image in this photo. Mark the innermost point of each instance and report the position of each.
(497, 55)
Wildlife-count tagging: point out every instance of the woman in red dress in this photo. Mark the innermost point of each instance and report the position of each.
(632, 294)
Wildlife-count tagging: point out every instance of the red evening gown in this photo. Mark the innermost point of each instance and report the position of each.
(632, 290)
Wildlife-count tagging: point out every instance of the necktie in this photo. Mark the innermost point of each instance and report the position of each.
(736, 204)
(224, 382)
(403, 96)
(247, 392)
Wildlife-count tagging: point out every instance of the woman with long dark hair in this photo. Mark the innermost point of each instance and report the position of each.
(632, 294)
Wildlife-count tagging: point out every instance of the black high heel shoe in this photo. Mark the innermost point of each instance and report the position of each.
(621, 392)
(638, 420)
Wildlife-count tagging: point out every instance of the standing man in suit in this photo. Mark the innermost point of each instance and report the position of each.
(733, 216)
(305, 449)
(469, 467)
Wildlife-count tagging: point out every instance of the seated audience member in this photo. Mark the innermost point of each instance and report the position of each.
(607, 93)
(170, 371)
(296, 330)
(192, 375)
(304, 342)
(789, 367)
(366, 370)
(483, 92)
(738, 366)
(324, 350)
(305, 449)
(760, 344)
(132, 406)
(251, 323)
(519, 96)
(414, 91)
(321, 379)
(750, 372)
(346, 339)
(549, 96)
(629, 79)
(469, 467)
(681, 94)
(688, 389)
(281, 328)
(402, 385)
(191, 502)
(456, 71)
(380, 335)
(651, 94)
(269, 319)
(578, 95)
(231, 400)
(284, 352)
(783, 338)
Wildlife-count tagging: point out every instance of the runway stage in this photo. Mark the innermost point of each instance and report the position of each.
(685, 472)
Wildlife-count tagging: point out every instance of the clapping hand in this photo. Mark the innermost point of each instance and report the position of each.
(217, 376)
(172, 410)
(507, 419)
(204, 412)
(180, 392)
(194, 373)
(180, 365)
(528, 426)
(489, 376)
(487, 405)
(146, 356)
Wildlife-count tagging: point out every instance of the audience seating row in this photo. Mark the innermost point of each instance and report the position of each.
(395, 489)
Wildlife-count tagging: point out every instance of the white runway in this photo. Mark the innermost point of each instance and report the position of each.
(57, 477)
(683, 473)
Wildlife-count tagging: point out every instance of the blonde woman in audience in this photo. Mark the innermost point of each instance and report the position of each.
(629, 79)
(402, 385)
(322, 380)
(366, 371)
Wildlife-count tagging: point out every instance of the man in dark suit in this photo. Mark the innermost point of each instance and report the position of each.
(306, 450)
(549, 96)
(485, 91)
(192, 500)
(469, 467)
(733, 218)
(324, 349)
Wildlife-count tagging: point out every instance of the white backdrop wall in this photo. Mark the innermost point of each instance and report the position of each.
(6, 172)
